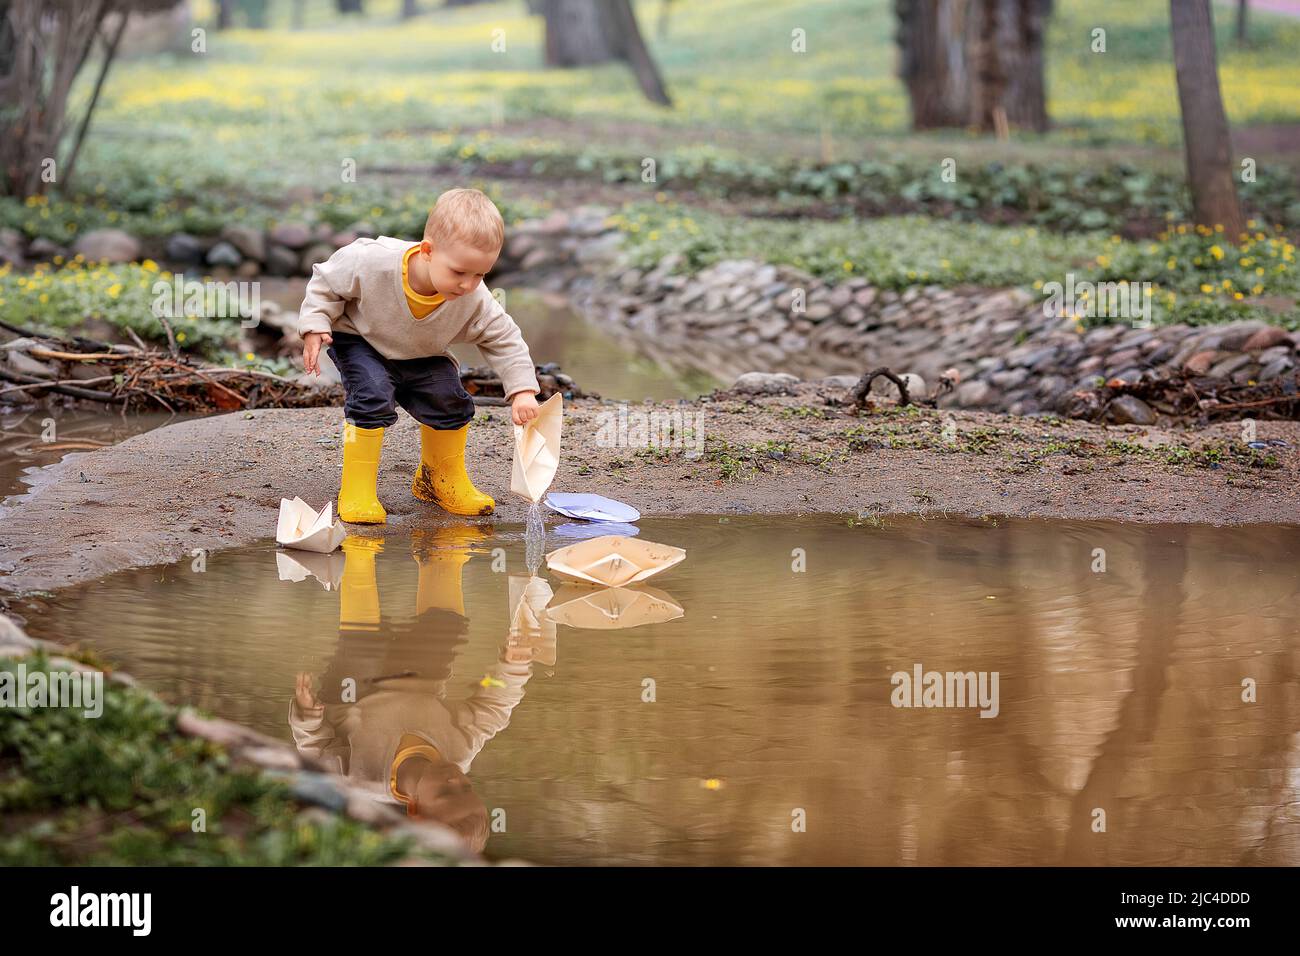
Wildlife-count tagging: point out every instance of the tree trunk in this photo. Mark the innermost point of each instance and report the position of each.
(1242, 8)
(225, 14)
(255, 12)
(589, 32)
(975, 63)
(578, 33)
(636, 53)
(110, 53)
(8, 44)
(52, 42)
(989, 79)
(1205, 127)
(932, 61)
(1025, 97)
(410, 9)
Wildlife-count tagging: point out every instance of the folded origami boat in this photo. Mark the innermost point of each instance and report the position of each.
(613, 560)
(537, 450)
(307, 530)
(611, 608)
(590, 507)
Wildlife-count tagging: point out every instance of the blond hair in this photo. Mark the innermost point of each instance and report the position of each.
(468, 216)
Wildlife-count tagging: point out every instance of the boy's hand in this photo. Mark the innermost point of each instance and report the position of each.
(311, 346)
(523, 407)
(306, 699)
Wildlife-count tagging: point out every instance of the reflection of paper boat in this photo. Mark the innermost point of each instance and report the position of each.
(593, 529)
(537, 450)
(613, 560)
(529, 623)
(303, 528)
(300, 565)
(612, 608)
(590, 507)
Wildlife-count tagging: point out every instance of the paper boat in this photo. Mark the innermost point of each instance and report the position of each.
(590, 507)
(613, 560)
(610, 609)
(303, 528)
(537, 450)
(325, 568)
(530, 625)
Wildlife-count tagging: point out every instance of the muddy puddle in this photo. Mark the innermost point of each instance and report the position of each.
(31, 438)
(809, 690)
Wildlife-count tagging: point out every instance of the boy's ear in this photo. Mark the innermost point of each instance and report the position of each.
(426, 247)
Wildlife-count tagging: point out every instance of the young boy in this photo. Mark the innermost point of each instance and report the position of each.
(389, 309)
(380, 714)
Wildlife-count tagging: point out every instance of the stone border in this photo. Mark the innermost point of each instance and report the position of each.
(745, 315)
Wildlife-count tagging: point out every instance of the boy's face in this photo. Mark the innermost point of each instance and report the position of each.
(445, 794)
(455, 269)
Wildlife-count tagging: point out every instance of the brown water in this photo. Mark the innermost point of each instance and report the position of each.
(1119, 691)
(613, 367)
(33, 437)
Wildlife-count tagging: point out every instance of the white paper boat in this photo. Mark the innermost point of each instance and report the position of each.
(613, 560)
(537, 450)
(301, 565)
(589, 507)
(530, 625)
(302, 527)
(610, 609)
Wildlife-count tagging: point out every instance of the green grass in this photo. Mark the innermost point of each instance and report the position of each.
(728, 63)
(260, 125)
(1197, 276)
(258, 129)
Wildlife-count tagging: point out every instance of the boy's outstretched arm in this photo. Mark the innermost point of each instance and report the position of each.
(332, 283)
(502, 344)
(313, 734)
(486, 712)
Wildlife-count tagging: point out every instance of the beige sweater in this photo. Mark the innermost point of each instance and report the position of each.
(359, 290)
(360, 740)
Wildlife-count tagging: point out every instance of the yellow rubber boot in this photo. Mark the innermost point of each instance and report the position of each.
(441, 477)
(358, 499)
(441, 554)
(358, 593)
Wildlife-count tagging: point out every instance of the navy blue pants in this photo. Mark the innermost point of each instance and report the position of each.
(373, 386)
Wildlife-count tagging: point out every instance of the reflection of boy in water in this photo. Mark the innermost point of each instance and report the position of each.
(380, 717)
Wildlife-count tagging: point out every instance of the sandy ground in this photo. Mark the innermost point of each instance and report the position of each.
(217, 482)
